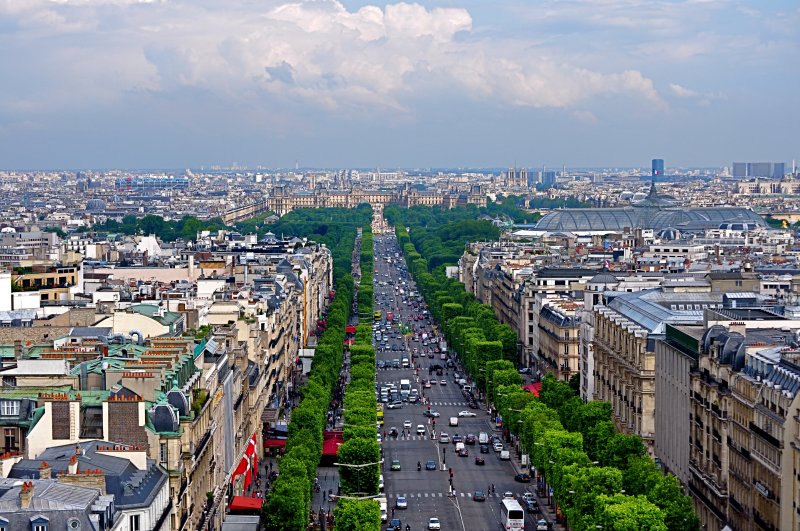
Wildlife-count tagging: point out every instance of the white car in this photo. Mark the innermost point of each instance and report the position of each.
(407, 425)
(433, 523)
(444, 438)
(466, 413)
(420, 429)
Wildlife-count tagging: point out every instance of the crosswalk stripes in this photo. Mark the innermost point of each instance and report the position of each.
(437, 495)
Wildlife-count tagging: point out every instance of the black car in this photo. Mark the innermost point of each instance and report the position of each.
(484, 448)
(395, 525)
(522, 478)
(430, 465)
(532, 507)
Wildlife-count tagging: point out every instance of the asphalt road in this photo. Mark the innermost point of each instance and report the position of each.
(427, 491)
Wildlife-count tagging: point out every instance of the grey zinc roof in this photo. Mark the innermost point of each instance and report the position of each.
(643, 308)
(130, 486)
(48, 495)
(59, 503)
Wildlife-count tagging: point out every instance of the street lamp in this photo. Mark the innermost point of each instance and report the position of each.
(358, 471)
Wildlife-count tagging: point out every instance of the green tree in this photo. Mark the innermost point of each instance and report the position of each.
(641, 475)
(620, 448)
(357, 515)
(628, 513)
(287, 506)
(581, 485)
(359, 479)
(676, 506)
(575, 383)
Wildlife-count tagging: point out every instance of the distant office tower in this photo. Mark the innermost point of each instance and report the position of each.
(549, 177)
(774, 170)
(657, 167)
(155, 182)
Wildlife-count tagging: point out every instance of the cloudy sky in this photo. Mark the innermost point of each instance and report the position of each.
(360, 83)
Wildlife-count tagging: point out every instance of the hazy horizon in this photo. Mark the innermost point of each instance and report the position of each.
(440, 83)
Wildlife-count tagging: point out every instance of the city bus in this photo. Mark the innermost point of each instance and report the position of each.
(513, 517)
(376, 316)
(405, 389)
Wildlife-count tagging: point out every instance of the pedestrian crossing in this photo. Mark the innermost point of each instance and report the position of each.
(418, 495)
(408, 438)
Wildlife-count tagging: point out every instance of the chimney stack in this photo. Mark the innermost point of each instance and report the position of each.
(73, 465)
(45, 470)
(25, 495)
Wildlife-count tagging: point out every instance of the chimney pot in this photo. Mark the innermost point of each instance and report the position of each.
(45, 470)
(25, 495)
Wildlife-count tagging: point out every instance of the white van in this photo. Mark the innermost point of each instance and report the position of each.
(467, 388)
(483, 438)
(459, 448)
(383, 504)
(505, 455)
(454, 421)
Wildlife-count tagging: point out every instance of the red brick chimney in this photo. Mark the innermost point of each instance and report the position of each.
(45, 470)
(25, 495)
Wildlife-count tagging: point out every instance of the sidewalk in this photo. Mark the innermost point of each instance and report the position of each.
(547, 511)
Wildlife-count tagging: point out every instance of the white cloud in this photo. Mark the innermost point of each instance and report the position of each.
(701, 98)
(682, 92)
(317, 53)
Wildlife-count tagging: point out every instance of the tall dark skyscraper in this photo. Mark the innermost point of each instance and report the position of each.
(657, 167)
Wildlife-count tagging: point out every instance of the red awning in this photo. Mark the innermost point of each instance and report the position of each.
(245, 503)
(350, 329)
(274, 443)
(330, 447)
(349, 342)
(533, 388)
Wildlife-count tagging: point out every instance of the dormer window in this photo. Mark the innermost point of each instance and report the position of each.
(40, 523)
(9, 408)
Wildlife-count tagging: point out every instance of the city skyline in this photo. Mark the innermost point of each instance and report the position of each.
(457, 83)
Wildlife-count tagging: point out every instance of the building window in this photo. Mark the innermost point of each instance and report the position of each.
(9, 408)
(10, 439)
(162, 453)
(135, 523)
(738, 283)
(39, 527)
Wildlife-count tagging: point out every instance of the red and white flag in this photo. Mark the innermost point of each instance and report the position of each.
(250, 451)
(244, 466)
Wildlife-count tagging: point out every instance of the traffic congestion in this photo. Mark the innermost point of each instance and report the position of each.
(445, 464)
